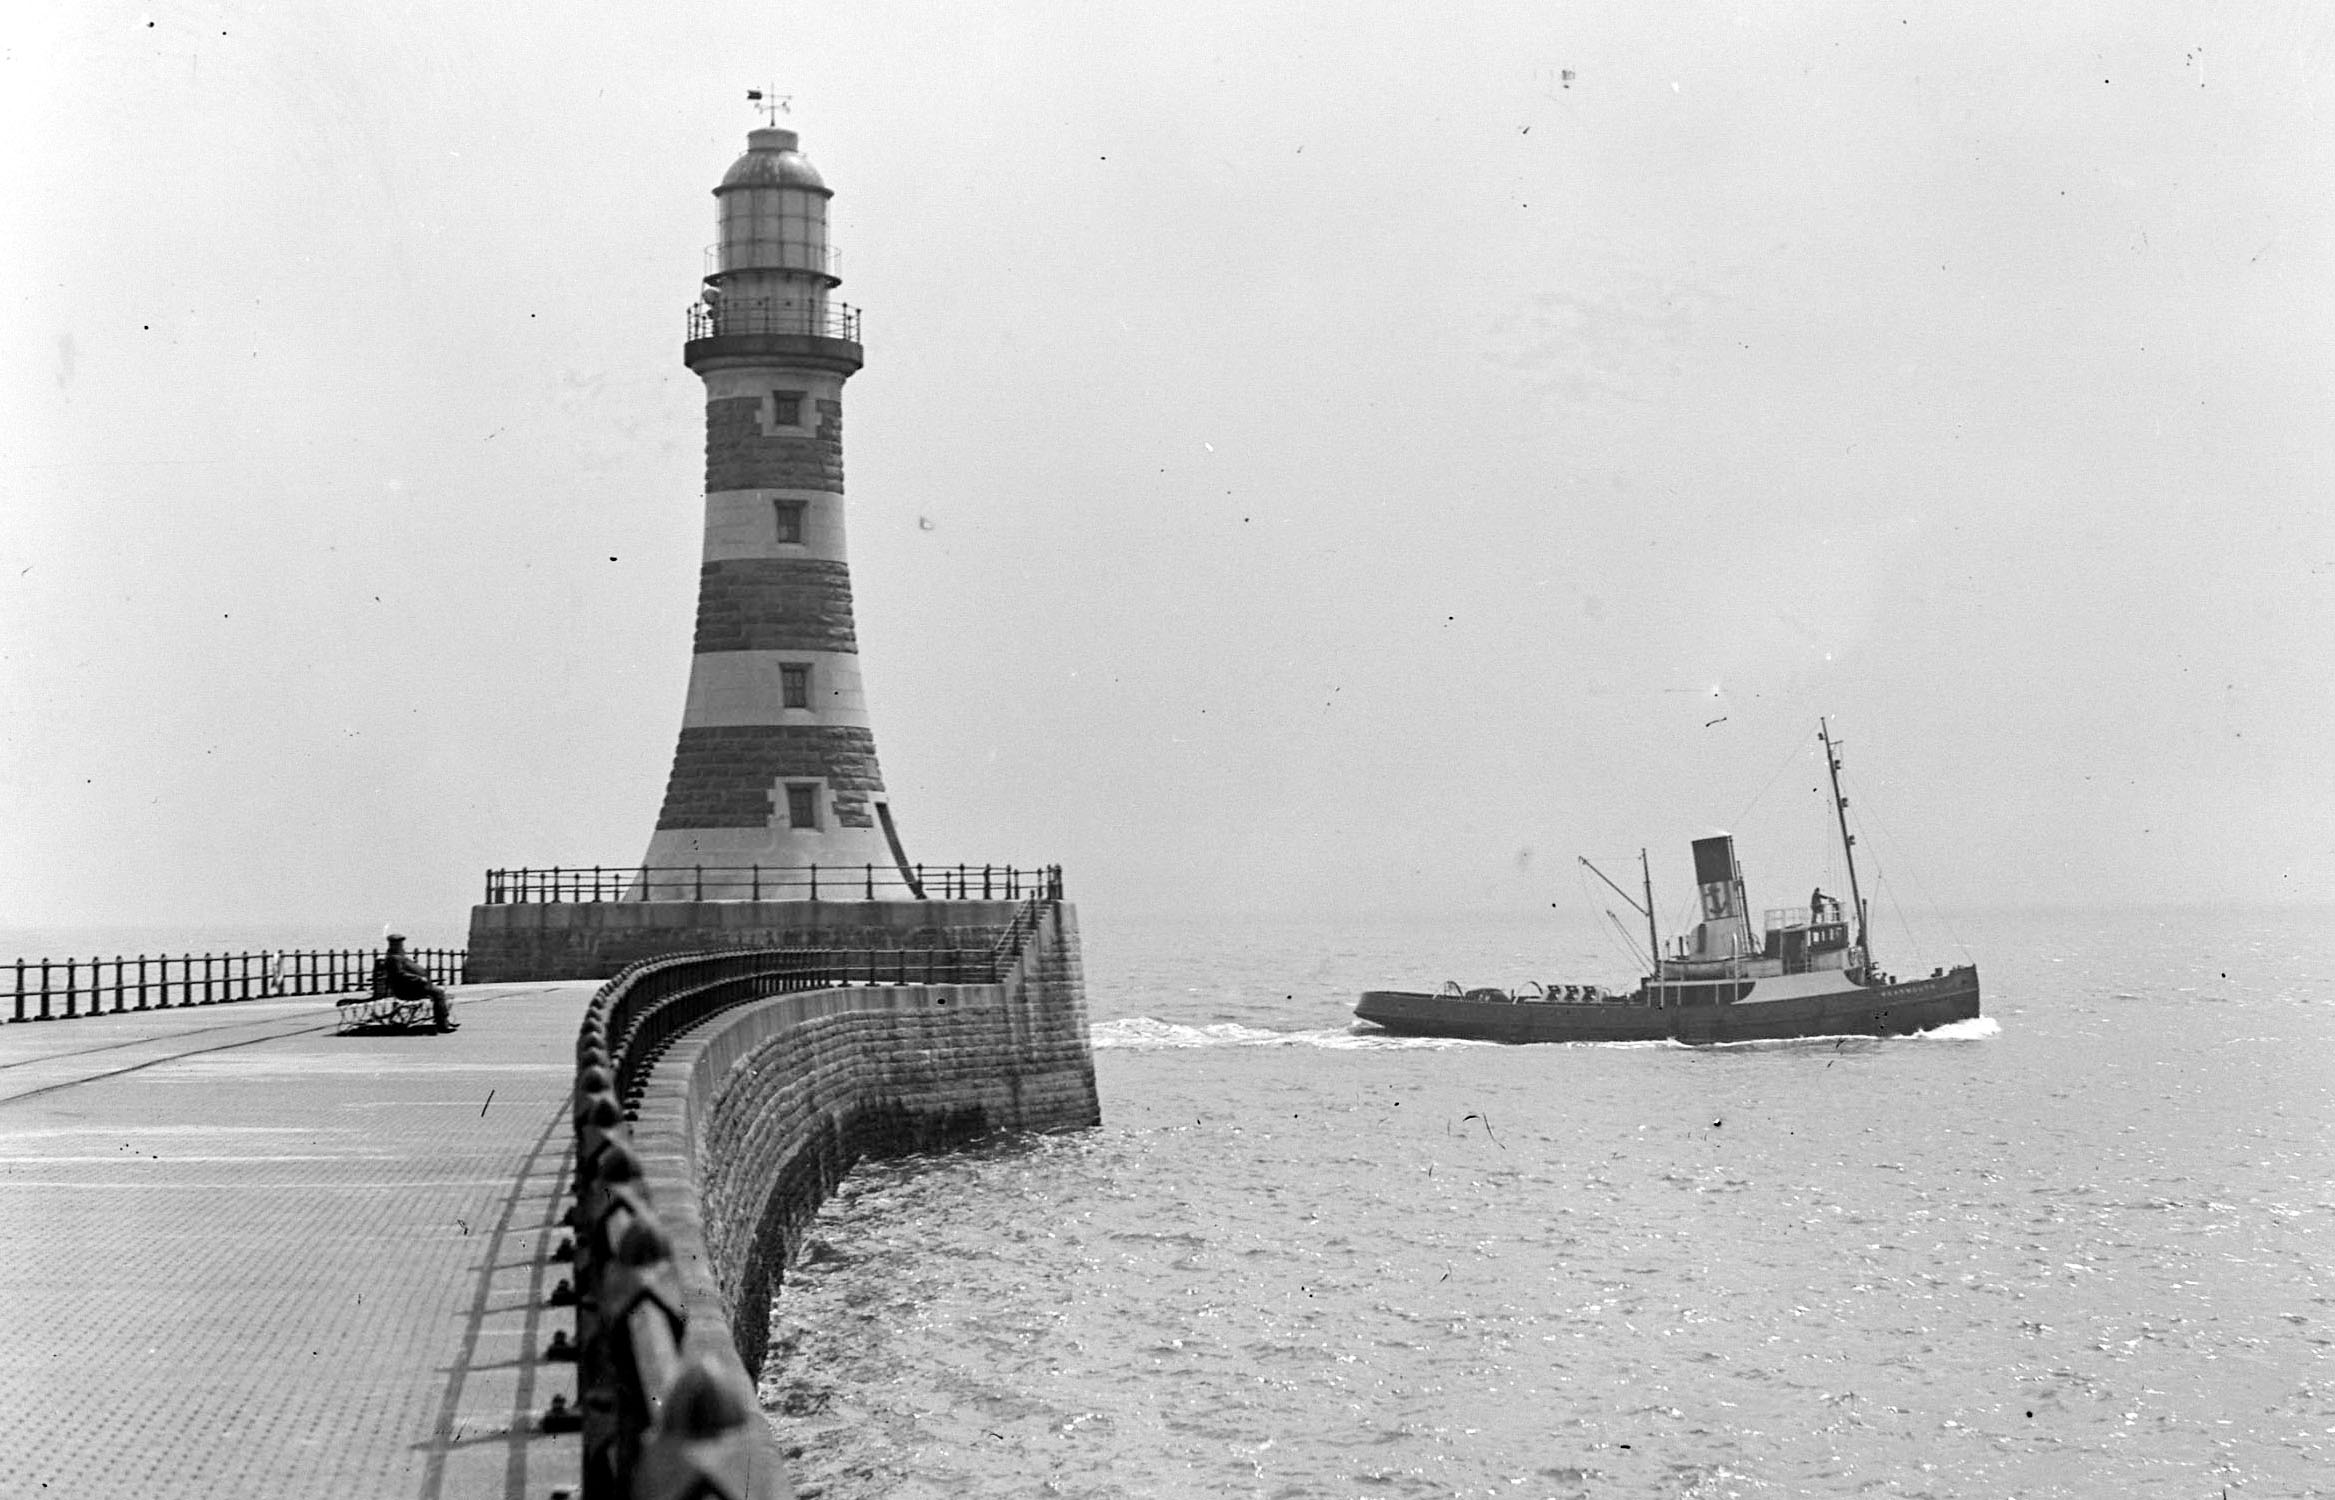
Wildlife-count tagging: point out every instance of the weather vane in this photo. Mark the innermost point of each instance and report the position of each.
(772, 105)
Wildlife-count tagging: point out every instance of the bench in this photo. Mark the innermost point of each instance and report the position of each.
(381, 1010)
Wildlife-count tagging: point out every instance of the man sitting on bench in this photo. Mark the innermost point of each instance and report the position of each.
(399, 975)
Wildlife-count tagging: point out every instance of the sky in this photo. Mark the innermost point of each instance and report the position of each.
(1312, 459)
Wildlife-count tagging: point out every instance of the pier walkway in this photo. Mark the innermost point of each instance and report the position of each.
(247, 1257)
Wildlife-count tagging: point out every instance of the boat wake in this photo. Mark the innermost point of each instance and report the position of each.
(1976, 1029)
(1143, 1033)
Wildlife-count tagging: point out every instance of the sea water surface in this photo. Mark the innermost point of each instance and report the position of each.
(2080, 1247)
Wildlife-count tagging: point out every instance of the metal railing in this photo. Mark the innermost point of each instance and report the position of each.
(746, 315)
(1774, 917)
(661, 1421)
(1007, 950)
(59, 989)
(579, 884)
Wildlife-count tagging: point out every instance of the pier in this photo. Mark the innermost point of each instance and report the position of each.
(250, 1257)
(257, 1254)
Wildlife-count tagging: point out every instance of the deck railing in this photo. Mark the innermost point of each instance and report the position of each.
(577, 883)
(58, 989)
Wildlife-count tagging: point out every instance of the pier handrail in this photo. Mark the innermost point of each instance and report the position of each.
(662, 1417)
(595, 883)
(63, 989)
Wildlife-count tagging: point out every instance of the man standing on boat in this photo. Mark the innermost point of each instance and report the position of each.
(1816, 905)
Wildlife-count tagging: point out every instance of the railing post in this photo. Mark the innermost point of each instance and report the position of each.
(647, 892)
(20, 989)
(985, 882)
(758, 880)
(45, 989)
(701, 882)
(871, 874)
(814, 882)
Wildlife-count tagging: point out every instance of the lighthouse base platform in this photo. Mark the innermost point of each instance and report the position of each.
(543, 940)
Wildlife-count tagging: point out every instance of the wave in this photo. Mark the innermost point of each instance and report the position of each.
(1976, 1029)
(1145, 1033)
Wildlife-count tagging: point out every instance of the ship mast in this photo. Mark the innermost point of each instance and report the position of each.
(1653, 935)
(1848, 840)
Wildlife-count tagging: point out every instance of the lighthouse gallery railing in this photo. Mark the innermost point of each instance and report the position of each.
(567, 884)
(752, 315)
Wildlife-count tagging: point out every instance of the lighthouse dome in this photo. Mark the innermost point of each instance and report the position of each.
(771, 160)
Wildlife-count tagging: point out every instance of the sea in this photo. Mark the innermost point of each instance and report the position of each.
(2083, 1246)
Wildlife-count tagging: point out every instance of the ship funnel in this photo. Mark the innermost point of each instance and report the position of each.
(1715, 873)
(1725, 930)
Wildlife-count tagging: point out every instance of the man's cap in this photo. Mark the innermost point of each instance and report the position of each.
(395, 937)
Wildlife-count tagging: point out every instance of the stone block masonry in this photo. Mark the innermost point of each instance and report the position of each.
(739, 455)
(750, 1120)
(594, 939)
(774, 604)
(724, 775)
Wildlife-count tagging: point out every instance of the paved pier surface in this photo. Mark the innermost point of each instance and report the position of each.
(246, 1257)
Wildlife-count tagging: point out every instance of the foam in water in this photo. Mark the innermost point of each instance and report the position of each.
(1976, 1029)
(1147, 1033)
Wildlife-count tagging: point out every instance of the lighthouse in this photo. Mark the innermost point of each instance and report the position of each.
(776, 766)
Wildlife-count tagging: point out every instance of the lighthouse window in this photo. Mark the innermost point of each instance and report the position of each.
(786, 408)
(790, 520)
(802, 805)
(794, 685)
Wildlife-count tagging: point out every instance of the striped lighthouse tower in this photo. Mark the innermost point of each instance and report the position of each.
(776, 767)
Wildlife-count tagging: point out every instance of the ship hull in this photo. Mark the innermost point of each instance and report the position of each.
(1850, 1010)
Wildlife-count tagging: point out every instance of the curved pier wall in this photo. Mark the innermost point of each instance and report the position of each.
(594, 939)
(749, 1121)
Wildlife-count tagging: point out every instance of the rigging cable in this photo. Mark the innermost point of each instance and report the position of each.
(1594, 902)
(1645, 966)
(1864, 812)
(1795, 753)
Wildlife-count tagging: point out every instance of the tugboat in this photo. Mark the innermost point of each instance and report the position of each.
(1805, 975)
